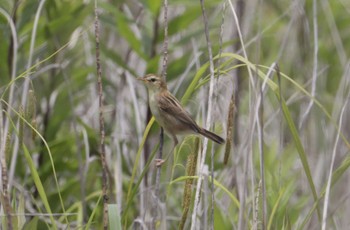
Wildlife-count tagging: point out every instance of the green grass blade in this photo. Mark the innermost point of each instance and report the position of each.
(48, 151)
(39, 186)
(88, 224)
(274, 209)
(137, 185)
(114, 217)
(133, 174)
(300, 150)
(335, 177)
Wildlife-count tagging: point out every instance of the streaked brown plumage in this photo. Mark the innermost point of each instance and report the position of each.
(169, 113)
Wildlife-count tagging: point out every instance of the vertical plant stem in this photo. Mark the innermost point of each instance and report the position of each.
(248, 157)
(161, 136)
(165, 44)
(315, 64)
(148, 113)
(230, 129)
(262, 157)
(6, 186)
(165, 61)
(210, 102)
(160, 155)
(101, 122)
(237, 82)
(329, 182)
(260, 129)
(4, 180)
(25, 86)
(211, 217)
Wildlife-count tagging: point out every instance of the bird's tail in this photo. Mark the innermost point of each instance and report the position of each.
(211, 136)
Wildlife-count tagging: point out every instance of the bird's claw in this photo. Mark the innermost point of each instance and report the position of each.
(159, 162)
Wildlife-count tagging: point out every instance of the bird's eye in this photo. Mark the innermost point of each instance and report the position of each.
(153, 79)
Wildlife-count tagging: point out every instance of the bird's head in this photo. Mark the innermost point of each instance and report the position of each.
(153, 82)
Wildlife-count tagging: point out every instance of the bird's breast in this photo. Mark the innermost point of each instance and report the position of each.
(153, 104)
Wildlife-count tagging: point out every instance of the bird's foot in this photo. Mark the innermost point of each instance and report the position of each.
(159, 162)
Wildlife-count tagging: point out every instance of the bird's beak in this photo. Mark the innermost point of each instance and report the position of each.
(140, 79)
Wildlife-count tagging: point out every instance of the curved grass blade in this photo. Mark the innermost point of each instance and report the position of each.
(48, 150)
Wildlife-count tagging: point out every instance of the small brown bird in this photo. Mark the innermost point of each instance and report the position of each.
(169, 113)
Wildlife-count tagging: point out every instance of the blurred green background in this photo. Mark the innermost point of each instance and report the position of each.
(50, 139)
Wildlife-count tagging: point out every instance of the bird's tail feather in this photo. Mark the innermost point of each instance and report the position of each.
(212, 136)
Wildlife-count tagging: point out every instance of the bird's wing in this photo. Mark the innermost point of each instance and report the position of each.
(171, 107)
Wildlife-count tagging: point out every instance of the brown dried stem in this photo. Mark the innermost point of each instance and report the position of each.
(101, 122)
(161, 138)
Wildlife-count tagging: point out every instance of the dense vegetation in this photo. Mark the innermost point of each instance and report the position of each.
(279, 87)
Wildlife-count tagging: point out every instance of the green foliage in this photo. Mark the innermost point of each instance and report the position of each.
(50, 130)
(114, 217)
